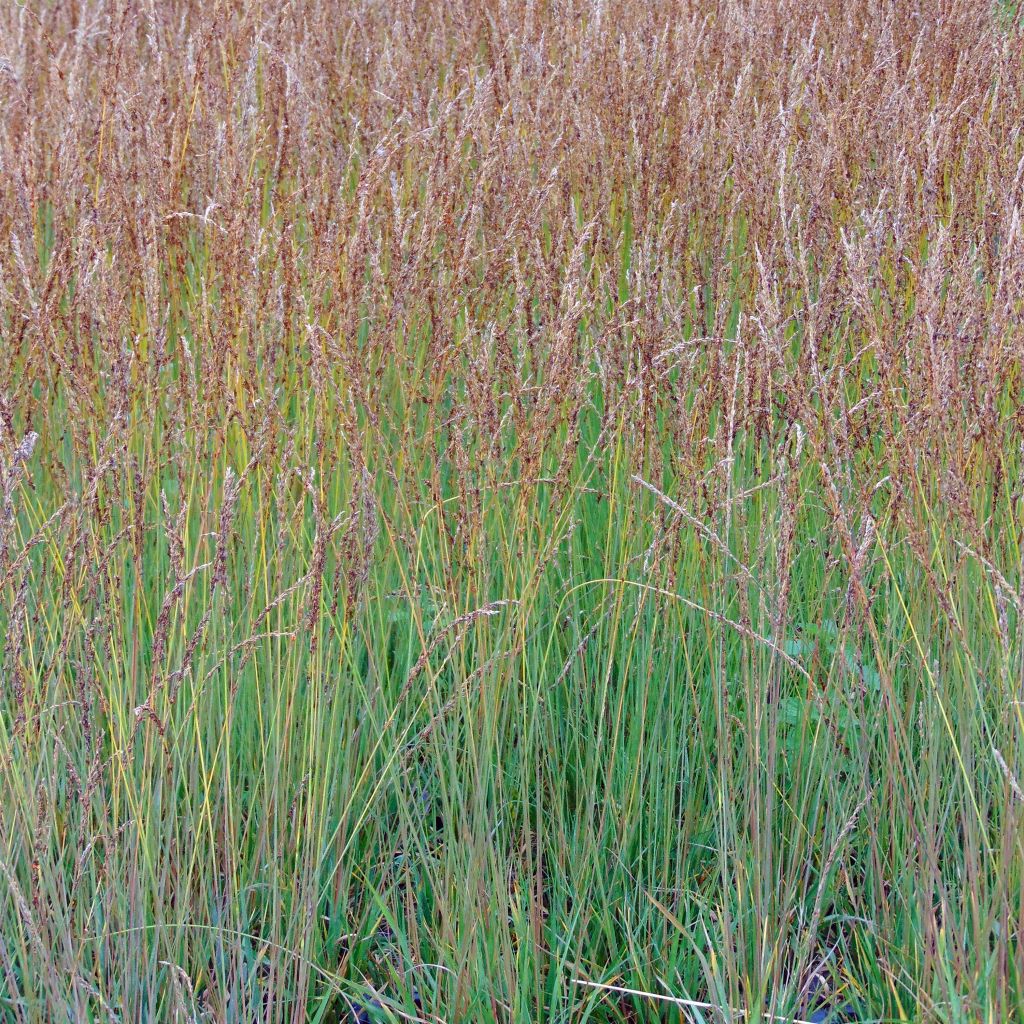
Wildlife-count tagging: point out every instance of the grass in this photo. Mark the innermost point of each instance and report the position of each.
(511, 513)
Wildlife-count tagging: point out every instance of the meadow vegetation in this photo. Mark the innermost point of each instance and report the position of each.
(507, 502)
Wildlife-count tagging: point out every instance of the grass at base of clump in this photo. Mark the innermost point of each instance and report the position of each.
(578, 745)
(511, 514)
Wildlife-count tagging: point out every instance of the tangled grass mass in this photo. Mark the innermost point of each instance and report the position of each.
(511, 511)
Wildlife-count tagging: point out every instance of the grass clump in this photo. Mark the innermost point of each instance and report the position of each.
(511, 512)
